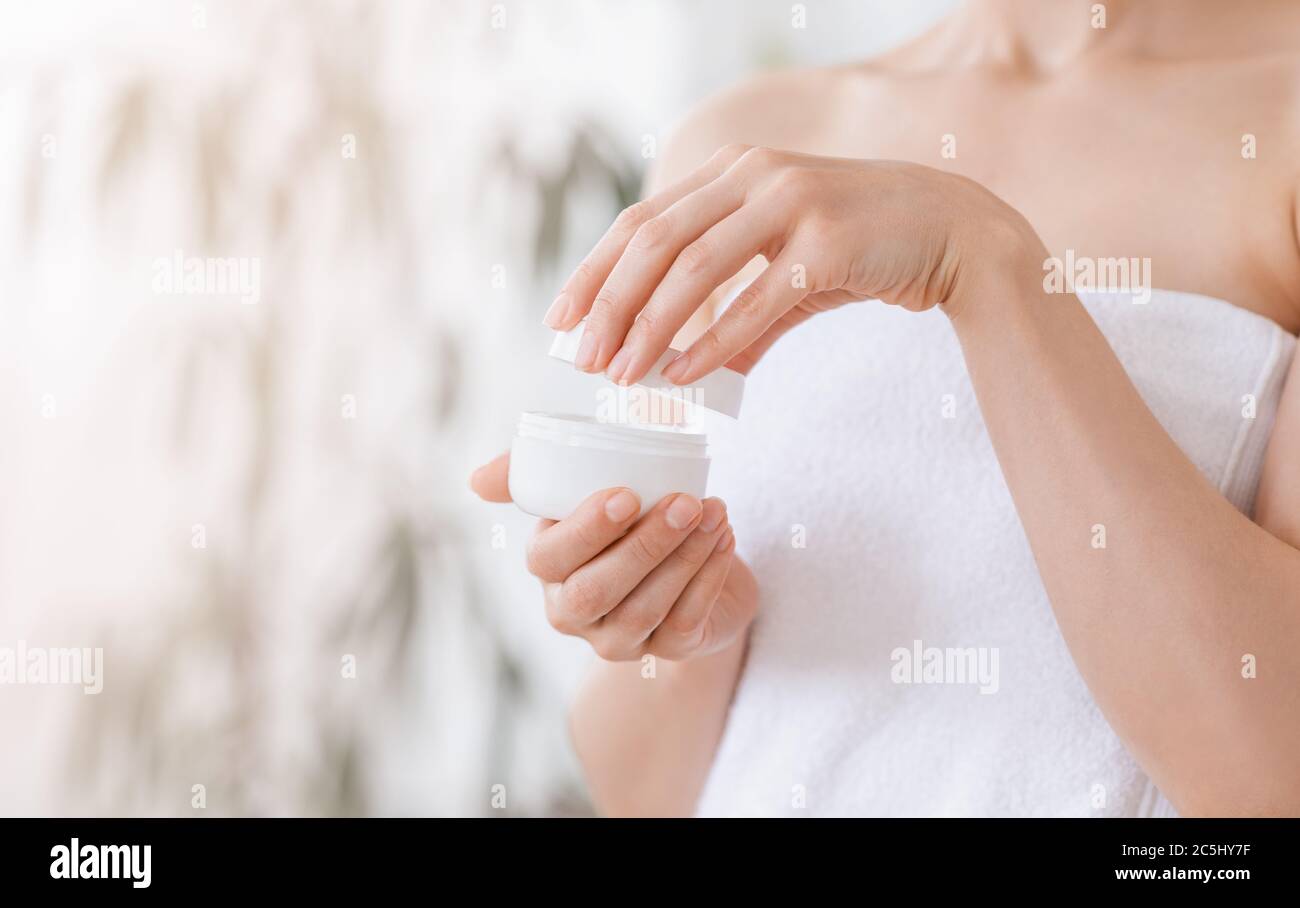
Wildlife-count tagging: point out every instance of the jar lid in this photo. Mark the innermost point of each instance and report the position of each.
(720, 391)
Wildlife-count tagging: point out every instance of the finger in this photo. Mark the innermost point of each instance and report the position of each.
(558, 549)
(698, 270)
(592, 591)
(647, 258)
(772, 294)
(489, 481)
(579, 291)
(634, 619)
(682, 631)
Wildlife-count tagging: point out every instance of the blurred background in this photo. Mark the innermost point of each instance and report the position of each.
(252, 496)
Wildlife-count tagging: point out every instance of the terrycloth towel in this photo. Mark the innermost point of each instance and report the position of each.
(866, 496)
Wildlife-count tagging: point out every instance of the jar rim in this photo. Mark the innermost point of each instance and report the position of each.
(588, 432)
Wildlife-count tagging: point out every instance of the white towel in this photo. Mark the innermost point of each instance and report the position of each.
(867, 498)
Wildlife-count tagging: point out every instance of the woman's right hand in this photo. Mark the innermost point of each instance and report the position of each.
(667, 585)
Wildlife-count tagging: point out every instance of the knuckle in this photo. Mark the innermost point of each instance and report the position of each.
(684, 626)
(709, 343)
(587, 535)
(816, 229)
(582, 274)
(695, 258)
(662, 648)
(538, 561)
(747, 303)
(605, 303)
(580, 599)
(731, 153)
(659, 648)
(652, 233)
(795, 183)
(646, 548)
(612, 649)
(626, 623)
(559, 619)
(646, 325)
(760, 158)
(633, 216)
(690, 556)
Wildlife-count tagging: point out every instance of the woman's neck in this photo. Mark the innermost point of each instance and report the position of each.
(1040, 37)
(1039, 34)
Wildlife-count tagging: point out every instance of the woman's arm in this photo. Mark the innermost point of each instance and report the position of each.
(646, 741)
(1160, 620)
(1277, 504)
(1187, 592)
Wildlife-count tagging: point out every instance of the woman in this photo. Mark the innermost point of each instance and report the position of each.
(1136, 634)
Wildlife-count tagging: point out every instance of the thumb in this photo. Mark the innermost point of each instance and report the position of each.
(489, 480)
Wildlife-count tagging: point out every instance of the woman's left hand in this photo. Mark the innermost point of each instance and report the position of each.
(834, 230)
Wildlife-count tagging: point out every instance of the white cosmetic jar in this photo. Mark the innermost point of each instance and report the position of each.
(557, 461)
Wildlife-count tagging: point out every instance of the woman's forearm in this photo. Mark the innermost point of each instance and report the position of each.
(1160, 619)
(646, 741)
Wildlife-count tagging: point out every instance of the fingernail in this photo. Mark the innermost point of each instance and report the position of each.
(586, 351)
(714, 511)
(725, 542)
(621, 505)
(618, 365)
(682, 512)
(675, 370)
(554, 317)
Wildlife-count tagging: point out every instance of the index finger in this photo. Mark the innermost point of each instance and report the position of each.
(579, 291)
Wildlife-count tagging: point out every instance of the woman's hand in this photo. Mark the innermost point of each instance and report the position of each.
(667, 585)
(834, 230)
